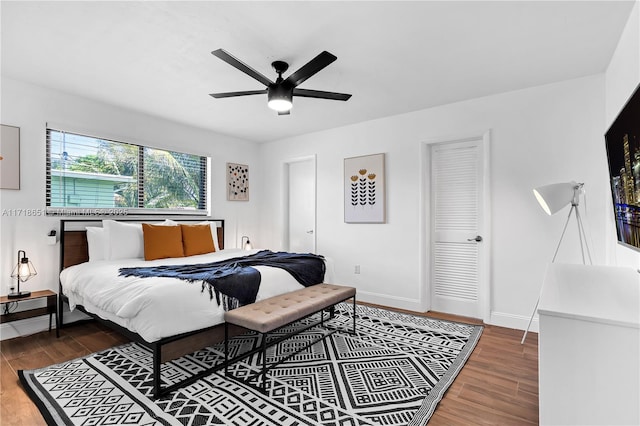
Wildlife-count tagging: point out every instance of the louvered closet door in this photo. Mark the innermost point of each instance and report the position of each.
(456, 222)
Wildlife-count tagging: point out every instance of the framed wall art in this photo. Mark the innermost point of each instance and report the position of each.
(623, 154)
(9, 157)
(237, 182)
(364, 189)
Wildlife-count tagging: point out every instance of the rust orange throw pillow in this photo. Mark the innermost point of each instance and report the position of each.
(162, 241)
(197, 239)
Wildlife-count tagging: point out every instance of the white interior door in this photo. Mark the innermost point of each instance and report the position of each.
(302, 206)
(458, 261)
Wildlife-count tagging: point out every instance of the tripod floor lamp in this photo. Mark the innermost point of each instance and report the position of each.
(553, 198)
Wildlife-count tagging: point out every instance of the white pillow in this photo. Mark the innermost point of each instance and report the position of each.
(124, 240)
(214, 233)
(96, 243)
(214, 230)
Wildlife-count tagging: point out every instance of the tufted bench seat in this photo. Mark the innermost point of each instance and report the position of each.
(275, 312)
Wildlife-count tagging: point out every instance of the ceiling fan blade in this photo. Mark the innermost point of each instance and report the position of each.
(306, 93)
(234, 62)
(310, 68)
(284, 112)
(232, 94)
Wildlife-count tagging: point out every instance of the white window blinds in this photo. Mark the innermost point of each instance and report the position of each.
(94, 175)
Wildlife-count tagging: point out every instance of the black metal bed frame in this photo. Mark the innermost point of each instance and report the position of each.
(154, 347)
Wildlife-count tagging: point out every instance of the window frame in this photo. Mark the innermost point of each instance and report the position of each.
(204, 187)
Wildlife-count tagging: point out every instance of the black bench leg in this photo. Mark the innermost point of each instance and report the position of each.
(264, 361)
(354, 314)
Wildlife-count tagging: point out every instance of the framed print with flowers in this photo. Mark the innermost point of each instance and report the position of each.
(364, 189)
(237, 182)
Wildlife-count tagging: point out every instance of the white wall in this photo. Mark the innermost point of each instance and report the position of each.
(541, 135)
(30, 108)
(621, 78)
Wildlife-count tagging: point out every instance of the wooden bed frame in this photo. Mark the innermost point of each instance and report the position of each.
(74, 250)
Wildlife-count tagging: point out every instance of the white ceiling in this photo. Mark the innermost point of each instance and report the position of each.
(394, 57)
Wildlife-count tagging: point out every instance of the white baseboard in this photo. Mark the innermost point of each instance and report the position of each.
(29, 326)
(26, 327)
(500, 319)
(518, 322)
(390, 301)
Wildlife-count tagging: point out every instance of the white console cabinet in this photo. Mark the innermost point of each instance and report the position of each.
(589, 346)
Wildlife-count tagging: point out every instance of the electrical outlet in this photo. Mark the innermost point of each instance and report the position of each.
(356, 270)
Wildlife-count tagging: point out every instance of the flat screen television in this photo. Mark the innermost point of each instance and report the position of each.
(623, 152)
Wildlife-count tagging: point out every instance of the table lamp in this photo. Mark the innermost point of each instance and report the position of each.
(247, 245)
(23, 271)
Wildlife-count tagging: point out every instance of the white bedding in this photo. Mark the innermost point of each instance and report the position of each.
(158, 307)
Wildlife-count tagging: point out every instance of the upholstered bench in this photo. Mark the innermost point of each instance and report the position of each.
(276, 312)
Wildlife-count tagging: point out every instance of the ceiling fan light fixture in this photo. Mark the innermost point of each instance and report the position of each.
(279, 99)
(280, 105)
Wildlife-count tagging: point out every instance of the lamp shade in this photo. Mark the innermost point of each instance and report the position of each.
(554, 197)
(24, 269)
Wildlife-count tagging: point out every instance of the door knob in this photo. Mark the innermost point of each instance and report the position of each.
(476, 239)
(310, 232)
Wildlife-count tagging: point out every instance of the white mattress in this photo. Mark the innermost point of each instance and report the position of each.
(158, 307)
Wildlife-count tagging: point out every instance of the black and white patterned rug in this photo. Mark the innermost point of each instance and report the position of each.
(393, 372)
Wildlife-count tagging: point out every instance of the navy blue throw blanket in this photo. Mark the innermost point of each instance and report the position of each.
(235, 279)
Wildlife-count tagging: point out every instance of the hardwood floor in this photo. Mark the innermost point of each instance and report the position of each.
(499, 383)
(497, 386)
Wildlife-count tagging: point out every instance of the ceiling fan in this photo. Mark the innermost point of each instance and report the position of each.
(281, 92)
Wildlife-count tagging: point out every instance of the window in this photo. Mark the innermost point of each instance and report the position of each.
(96, 175)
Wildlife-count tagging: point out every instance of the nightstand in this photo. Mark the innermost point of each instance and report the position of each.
(51, 308)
